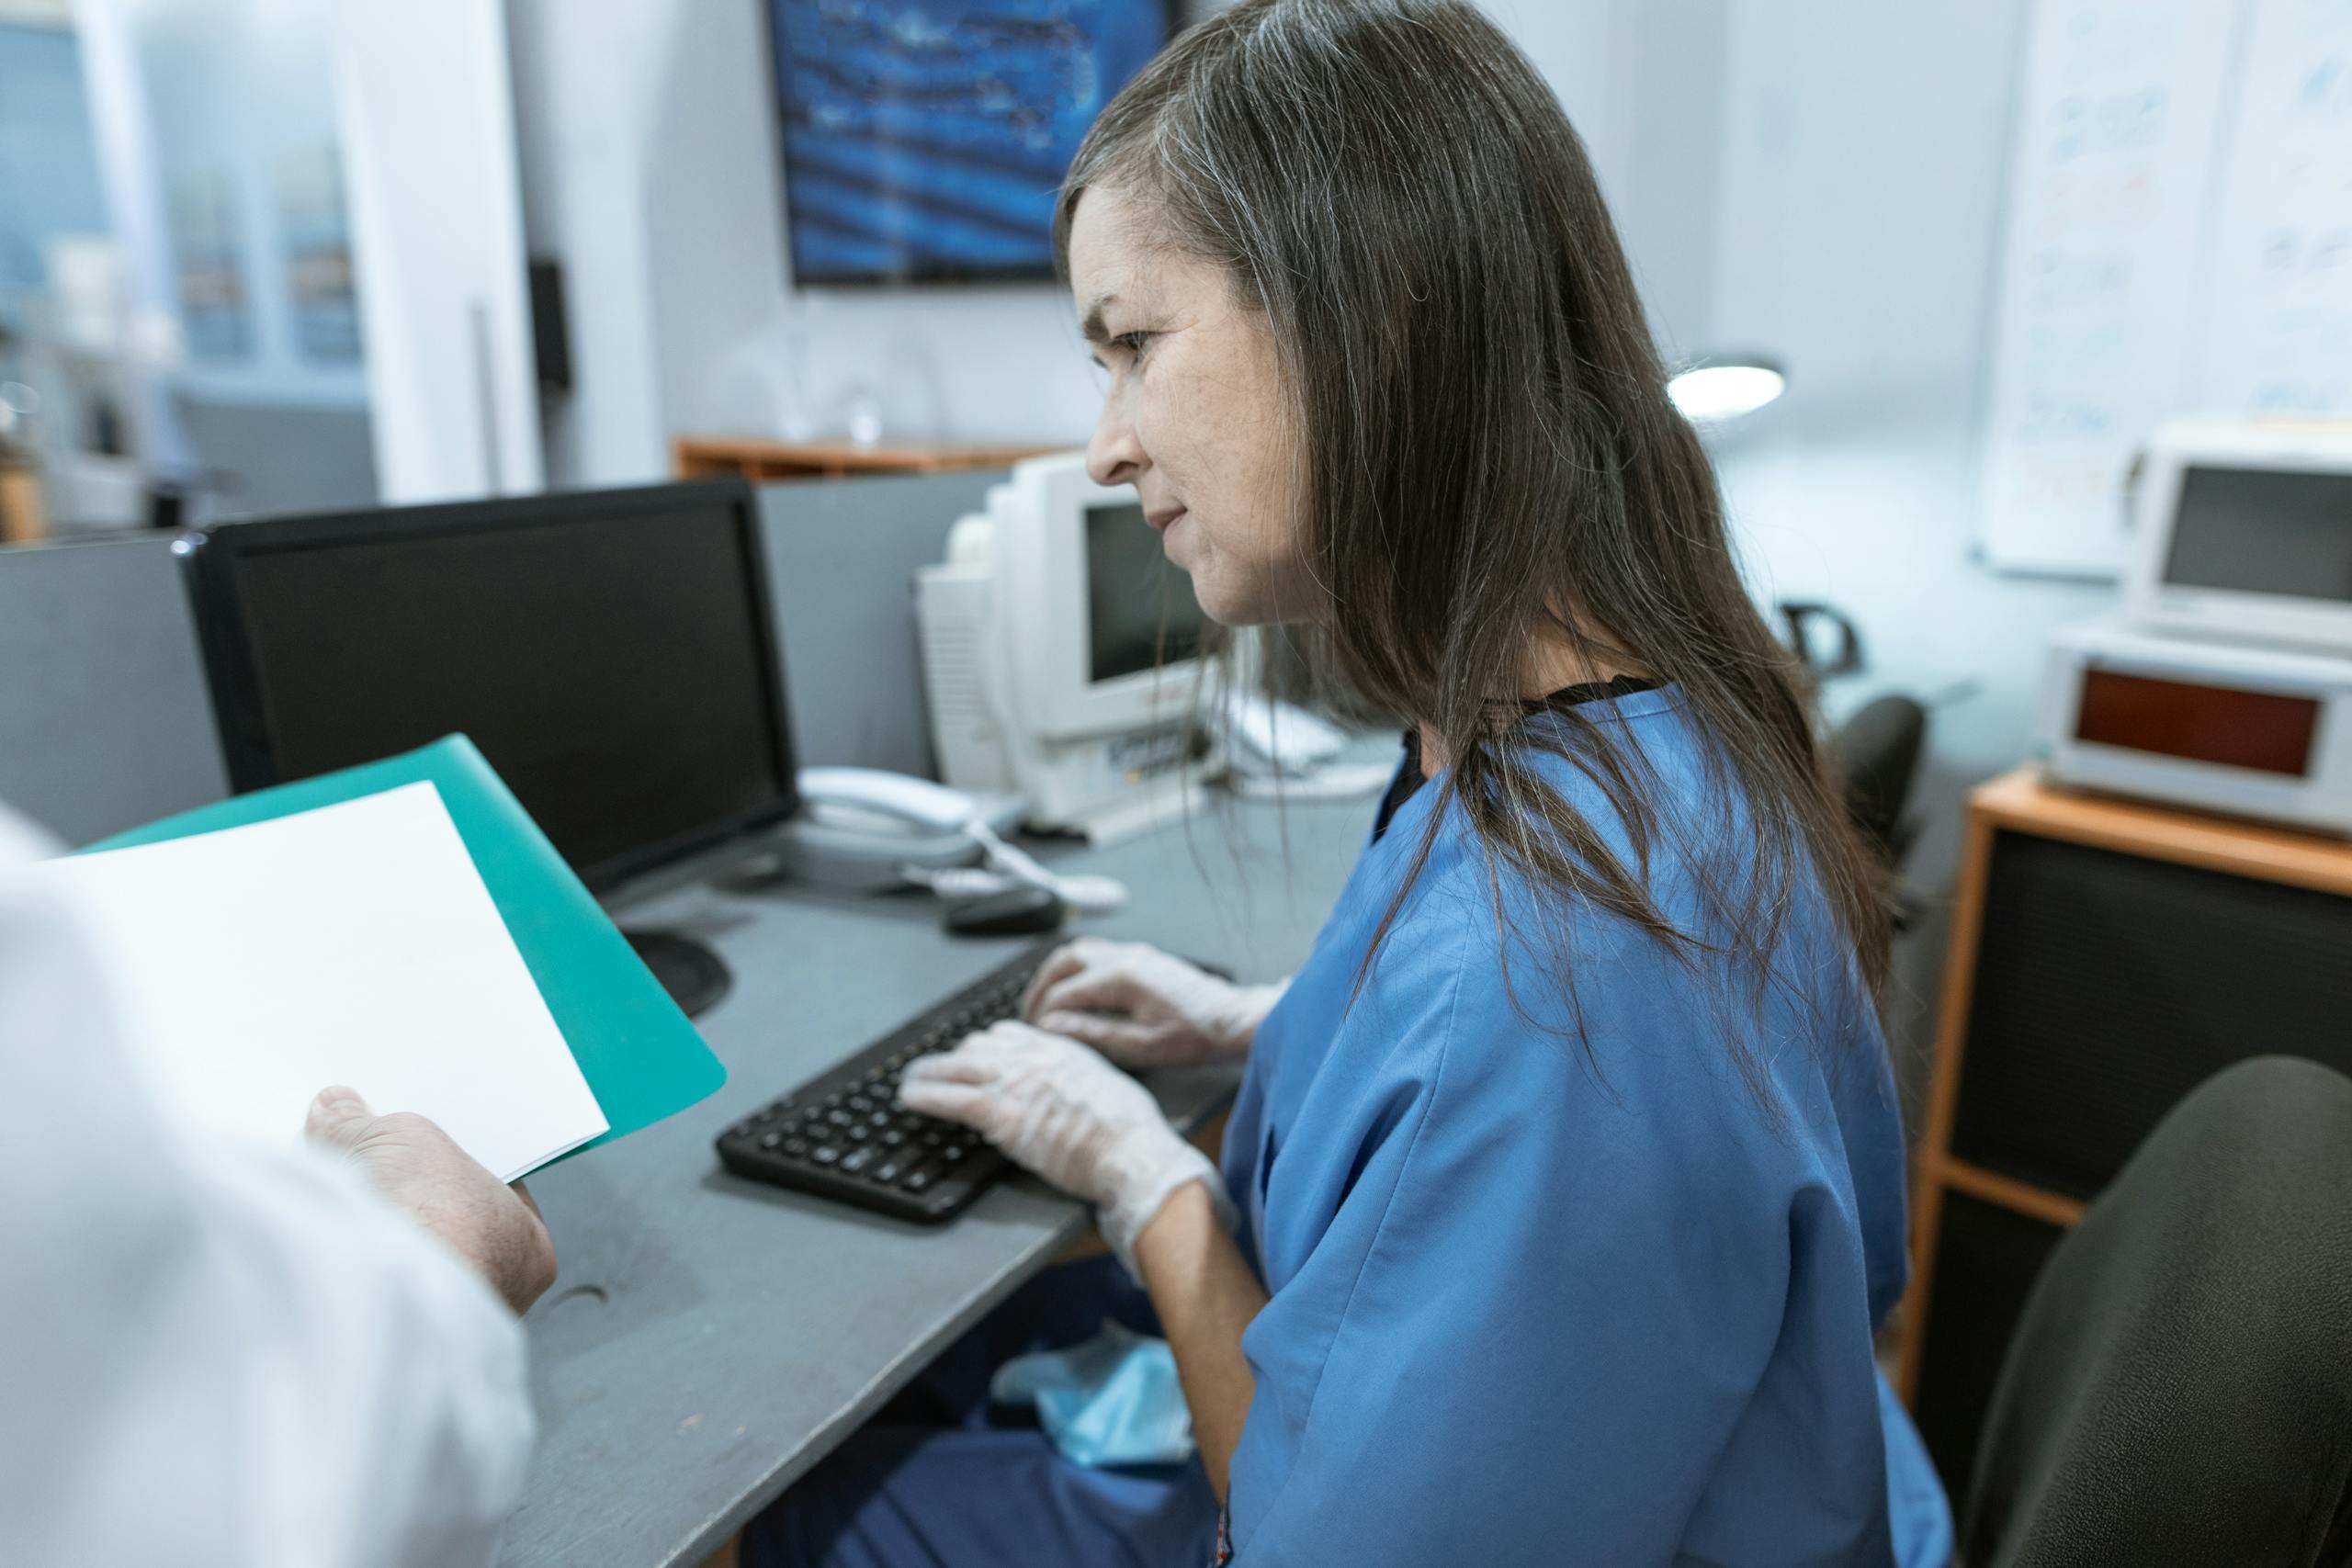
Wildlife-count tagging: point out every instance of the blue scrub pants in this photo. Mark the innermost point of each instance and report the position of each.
(940, 1478)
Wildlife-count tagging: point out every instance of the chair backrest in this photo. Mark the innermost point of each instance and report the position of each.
(2179, 1389)
(1877, 752)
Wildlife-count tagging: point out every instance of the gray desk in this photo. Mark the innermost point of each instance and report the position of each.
(710, 1338)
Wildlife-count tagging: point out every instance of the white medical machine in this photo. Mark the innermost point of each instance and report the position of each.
(2227, 683)
(2244, 531)
(1061, 654)
(2240, 728)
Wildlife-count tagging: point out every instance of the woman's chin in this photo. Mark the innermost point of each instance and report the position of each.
(1229, 609)
(1252, 601)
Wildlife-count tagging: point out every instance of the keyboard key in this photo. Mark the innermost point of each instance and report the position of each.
(877, 1118)
(953, 1154)
(858, 1105)
(771, 1140)
(825, 1154)
(796, 1148)
(888, 1172)
(856, 1160)
(892, 1137)
(916, 1181)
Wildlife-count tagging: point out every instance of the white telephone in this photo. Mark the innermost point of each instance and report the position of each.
(886, 805)
(864, 828)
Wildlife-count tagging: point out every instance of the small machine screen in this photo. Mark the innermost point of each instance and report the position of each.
(1140, 612)
(2264, 531)
(2267, 731)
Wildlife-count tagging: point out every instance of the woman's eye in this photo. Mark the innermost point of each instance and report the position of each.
(1133, 343)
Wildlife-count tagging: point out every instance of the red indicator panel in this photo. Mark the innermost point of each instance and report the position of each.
(2261, 730)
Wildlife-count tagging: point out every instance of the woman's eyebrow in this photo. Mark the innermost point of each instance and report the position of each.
(1093, 328)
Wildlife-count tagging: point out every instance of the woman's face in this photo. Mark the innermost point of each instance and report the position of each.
(1196, 417)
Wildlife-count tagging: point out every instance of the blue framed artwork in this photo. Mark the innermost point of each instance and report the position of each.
(924, 139)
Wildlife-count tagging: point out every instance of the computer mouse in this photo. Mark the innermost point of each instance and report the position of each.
(1017, 912)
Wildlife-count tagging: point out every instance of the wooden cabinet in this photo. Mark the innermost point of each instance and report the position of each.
(24, 519)
(2106, 958)
(760, 462)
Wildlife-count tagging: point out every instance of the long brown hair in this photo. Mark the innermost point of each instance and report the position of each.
(1489, 453)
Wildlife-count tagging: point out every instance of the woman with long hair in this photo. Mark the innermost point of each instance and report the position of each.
(1565, 1189)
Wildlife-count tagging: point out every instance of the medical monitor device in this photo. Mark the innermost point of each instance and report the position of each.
(1061, 655)
(2242, 728)
(612, 653)
(2245, 532)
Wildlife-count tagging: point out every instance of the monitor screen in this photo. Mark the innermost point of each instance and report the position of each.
(927, 139)
(1140, 612)
(2264, 531)
(610, 655)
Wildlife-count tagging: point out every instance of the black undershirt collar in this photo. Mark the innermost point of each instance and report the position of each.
(1410, 779)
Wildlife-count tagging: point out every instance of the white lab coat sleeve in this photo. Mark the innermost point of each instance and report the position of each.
(216, 1355)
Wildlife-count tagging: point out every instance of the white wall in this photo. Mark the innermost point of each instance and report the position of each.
(436, 228)
(1860, 189)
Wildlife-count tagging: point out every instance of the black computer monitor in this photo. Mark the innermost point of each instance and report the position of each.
(613, 653)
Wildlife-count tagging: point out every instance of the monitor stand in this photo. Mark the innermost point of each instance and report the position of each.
(694, 976)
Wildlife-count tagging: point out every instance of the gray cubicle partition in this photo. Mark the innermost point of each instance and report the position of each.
(104, 721)
(843, 555)
(271, 459)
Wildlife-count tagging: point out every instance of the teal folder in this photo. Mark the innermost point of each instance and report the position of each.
(642, 1060)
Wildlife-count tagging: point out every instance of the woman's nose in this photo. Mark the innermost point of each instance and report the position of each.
(1114, 455)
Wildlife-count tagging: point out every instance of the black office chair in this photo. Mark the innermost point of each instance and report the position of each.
(1877, 755)
(2179, 1390)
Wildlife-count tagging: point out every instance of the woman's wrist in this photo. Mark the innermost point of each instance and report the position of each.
(1246, 1011)
(1183, 1222)
(1159, 1168)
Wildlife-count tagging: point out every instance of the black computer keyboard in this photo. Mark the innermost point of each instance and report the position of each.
(843, 1135)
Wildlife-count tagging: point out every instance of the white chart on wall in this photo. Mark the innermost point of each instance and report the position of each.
(2279, 327)
(2180, 241)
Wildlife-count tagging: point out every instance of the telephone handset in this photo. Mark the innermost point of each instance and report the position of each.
(865, 828)
(886, 805)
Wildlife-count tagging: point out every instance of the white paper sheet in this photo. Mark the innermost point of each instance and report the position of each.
(353, 945)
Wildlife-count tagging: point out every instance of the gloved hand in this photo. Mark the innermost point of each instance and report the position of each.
(418, 1168)
(1168, 1013)
(1059, 1108)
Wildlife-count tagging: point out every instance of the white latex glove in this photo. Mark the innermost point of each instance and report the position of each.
(1143, 1008)
(1059, 1108)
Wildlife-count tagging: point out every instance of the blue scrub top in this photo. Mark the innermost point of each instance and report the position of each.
(1533, 1304)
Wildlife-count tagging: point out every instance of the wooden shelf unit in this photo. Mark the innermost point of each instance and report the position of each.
(763, 462)
(2107, 1082)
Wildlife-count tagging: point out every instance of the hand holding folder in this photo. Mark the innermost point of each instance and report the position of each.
(599, 1052)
